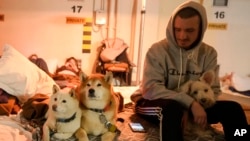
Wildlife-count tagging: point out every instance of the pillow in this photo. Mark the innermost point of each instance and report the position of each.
(52, 65)
(20, 77)
(67, 72)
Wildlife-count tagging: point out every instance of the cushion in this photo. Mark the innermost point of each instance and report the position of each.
(116, 67)
(52, 65)
(20, 77)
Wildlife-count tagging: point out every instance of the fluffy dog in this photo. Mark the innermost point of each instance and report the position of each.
(99, 106)
(201, 89)
(63, 116)
(202, 92)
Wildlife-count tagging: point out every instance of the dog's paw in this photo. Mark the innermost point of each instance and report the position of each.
(81, 135)
(62, 136)
(108, 136)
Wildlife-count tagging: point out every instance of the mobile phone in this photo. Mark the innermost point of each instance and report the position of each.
(136, 127)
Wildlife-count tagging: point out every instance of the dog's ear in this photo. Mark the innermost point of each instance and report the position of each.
(208, 77)
(55, 89)
(83, 77)
(72, 92)
(109, 77)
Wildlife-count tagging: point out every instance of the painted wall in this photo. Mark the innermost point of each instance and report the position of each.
(40, 27)
(232, 43)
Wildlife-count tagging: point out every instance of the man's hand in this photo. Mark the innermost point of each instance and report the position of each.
(200, 116)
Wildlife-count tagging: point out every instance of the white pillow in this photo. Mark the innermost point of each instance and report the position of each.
(52, 65)
(20, 77)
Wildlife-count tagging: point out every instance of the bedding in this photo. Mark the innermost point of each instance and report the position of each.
(67, 75)
(52, 64)
(22, 81)
(12, 130)
(40, 62)
(235, 87)
(11, 106)
(235, 84)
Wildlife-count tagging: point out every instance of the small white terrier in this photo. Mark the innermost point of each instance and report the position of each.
(202, 92)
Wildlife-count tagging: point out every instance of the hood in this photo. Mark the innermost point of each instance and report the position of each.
(192, 4)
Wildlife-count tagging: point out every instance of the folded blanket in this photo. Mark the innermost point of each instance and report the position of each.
(10, 107)
(36, 107)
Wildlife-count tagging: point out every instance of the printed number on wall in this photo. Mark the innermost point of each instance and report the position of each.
(220, 14)
(76, 8)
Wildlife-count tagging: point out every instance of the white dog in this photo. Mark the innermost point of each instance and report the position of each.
(63, 116)
(202, 92)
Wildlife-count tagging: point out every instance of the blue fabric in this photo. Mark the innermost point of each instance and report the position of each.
(4, 96)
(246, 93)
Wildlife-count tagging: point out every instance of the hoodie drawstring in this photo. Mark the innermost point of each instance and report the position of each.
(190, 56)
(179, 81)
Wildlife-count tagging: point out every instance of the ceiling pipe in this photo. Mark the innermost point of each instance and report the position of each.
(108, 17)
(133, 29)
(115, 19)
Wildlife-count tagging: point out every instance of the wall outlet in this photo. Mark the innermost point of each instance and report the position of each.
(100, 17)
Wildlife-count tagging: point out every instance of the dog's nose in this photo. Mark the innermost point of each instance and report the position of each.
(203, 100)
(54, 107)
(91, 93)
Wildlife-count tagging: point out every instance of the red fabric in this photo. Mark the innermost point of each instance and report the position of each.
(11, 107)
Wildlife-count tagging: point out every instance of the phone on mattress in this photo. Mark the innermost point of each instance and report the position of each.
(136, 127)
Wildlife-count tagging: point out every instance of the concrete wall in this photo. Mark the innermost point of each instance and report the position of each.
(40, 27)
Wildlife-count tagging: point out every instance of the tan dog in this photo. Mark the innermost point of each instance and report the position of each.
(63, 116)
(99, 106)
(202, 92)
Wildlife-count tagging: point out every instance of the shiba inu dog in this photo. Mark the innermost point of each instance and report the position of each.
(99, 106)
(63, 116)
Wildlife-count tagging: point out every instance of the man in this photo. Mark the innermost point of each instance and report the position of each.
(171, 62)
(40, 62)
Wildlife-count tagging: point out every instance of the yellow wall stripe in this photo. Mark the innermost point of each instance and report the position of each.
(86, 38)
(87, 32)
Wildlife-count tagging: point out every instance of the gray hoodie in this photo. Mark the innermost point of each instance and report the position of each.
(167, 66)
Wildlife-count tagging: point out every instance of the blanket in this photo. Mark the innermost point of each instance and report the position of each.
(3, 96)
(66, 80)
(68, 74)
(9, 104)
(33, 113)
(35, 108)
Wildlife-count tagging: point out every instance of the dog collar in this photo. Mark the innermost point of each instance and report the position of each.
(67, 119)
(97, 110)
(101, 110)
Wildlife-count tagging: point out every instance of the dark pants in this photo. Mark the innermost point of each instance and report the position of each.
(229, 113)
